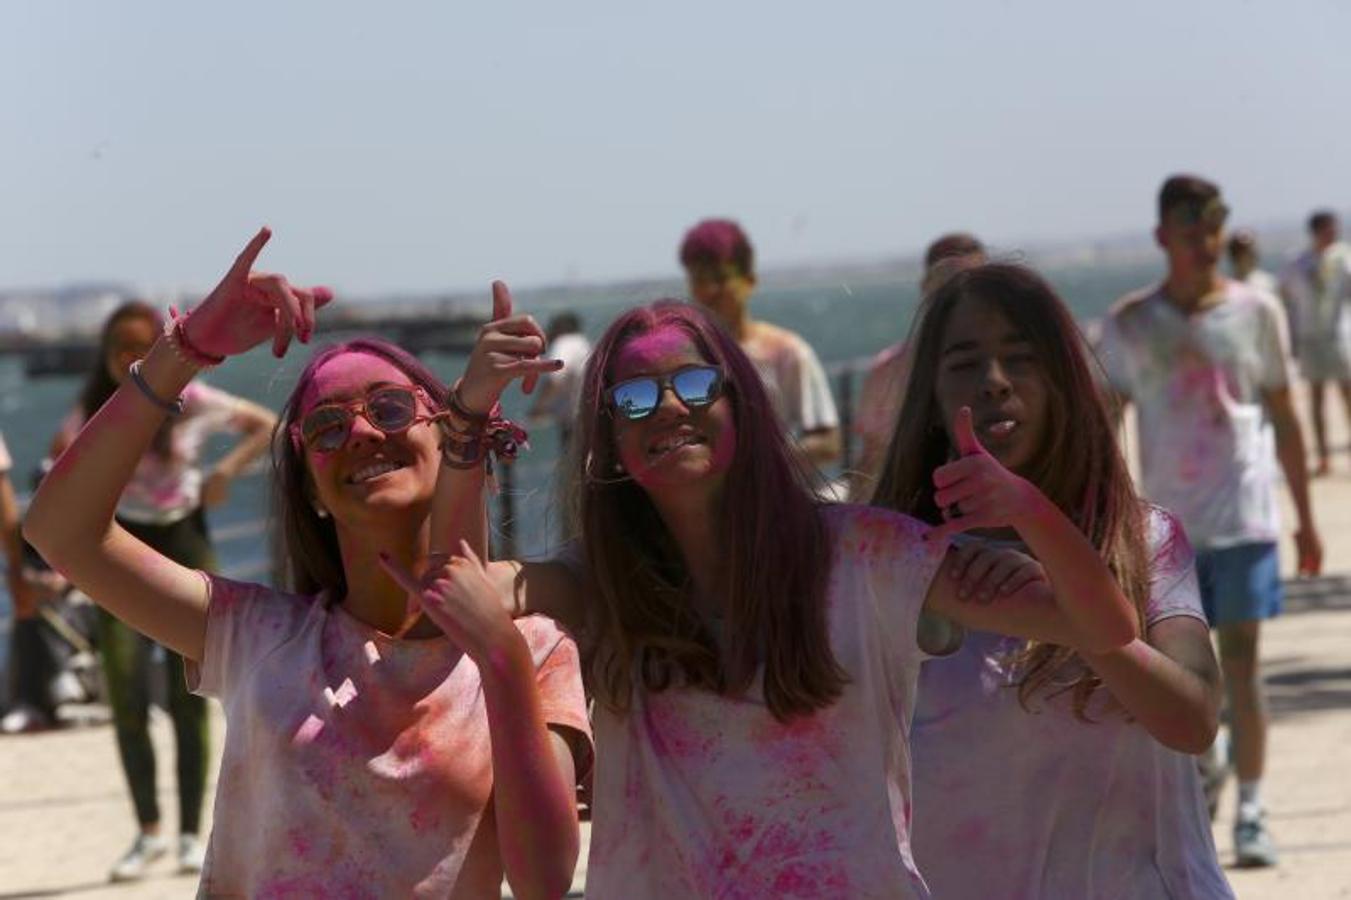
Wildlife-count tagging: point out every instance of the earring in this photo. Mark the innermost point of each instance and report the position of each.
(320, 511)
(618, 468)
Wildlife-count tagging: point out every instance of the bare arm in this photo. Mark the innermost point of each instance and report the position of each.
(70, 521)
(255, 424)
(1169, 682)
(71, 518)
(1290, 450)
(507, 348)
(533, 781)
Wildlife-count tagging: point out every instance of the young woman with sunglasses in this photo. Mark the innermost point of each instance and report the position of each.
(365, 754)
(753, 652)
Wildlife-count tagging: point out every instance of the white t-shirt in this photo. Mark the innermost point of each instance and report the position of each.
(1207, 447)
(163, 491)
(356, 765)
(794, 377)
(1035, 803)
(701, 795)
(573, 349)
(1318, 287)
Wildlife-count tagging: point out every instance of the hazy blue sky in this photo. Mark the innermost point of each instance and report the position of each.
(429, 145)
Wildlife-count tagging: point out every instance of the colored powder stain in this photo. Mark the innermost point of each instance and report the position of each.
(299, 842)
(671, 734)
(424, 818)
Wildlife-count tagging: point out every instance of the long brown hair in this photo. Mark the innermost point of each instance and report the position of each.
(99, 385)
(304, 540)
(1079, 465)
(647, 633)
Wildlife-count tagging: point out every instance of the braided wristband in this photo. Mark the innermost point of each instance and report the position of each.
(172, 407)
(187, 350)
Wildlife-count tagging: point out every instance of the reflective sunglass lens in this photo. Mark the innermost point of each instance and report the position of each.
(636, 399)
(696, 386)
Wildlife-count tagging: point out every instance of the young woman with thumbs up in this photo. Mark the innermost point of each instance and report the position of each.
(1064, 766)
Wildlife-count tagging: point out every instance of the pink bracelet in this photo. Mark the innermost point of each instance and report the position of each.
(187, 350)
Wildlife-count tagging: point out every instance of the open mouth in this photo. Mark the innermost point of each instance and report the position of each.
(374, 470)
(670, 443)
(999, 428)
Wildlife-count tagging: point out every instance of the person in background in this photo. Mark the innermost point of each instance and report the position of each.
(163, 504)
(1317, 289)
(31, 669)
(557, 394)
(1206, 362)
(719, 264)
(879, 400)
(1244, 261)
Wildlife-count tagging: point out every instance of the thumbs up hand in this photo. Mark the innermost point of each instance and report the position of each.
(510, 346)
(975, 490)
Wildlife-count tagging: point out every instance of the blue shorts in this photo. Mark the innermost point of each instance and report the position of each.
(1240, 584)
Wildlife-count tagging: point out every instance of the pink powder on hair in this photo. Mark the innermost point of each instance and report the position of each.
(644, 352)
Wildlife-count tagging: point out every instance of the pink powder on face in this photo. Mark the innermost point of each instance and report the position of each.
(346, 376)
(654, 351)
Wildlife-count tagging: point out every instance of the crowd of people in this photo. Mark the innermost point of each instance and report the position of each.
(1000, 647)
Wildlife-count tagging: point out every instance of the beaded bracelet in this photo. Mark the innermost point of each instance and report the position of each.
(172, 407)
(187, 351)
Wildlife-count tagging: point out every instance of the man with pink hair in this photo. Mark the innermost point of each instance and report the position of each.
(719, 263)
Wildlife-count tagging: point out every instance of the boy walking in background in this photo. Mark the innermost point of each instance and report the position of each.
(1205, 360)
(719, 264)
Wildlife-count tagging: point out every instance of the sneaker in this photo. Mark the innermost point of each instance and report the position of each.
(1253, 848)
(24, 719)
(146, 849)
(191, 854)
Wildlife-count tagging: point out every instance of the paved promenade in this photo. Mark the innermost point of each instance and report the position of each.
(65, 815)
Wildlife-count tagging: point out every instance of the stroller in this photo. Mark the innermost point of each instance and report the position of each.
(55, 674)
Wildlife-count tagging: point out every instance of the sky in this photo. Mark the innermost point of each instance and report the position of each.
(434, 146)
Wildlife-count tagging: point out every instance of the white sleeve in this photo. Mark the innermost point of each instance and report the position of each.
(816, 406)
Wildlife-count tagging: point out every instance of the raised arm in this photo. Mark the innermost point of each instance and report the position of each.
(508, 347)
(70, 520)
(1087, 610)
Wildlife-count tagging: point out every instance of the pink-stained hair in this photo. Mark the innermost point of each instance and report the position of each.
(717, 242)
(649, 635)
(307, 543)
(1079, 465)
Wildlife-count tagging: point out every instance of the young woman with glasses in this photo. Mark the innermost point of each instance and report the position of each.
(753, 652)
(366, 753)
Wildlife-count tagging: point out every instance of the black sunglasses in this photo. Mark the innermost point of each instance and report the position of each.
(638, 398)
(390, 408)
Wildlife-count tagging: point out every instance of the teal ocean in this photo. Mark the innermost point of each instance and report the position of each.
(846, 317)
